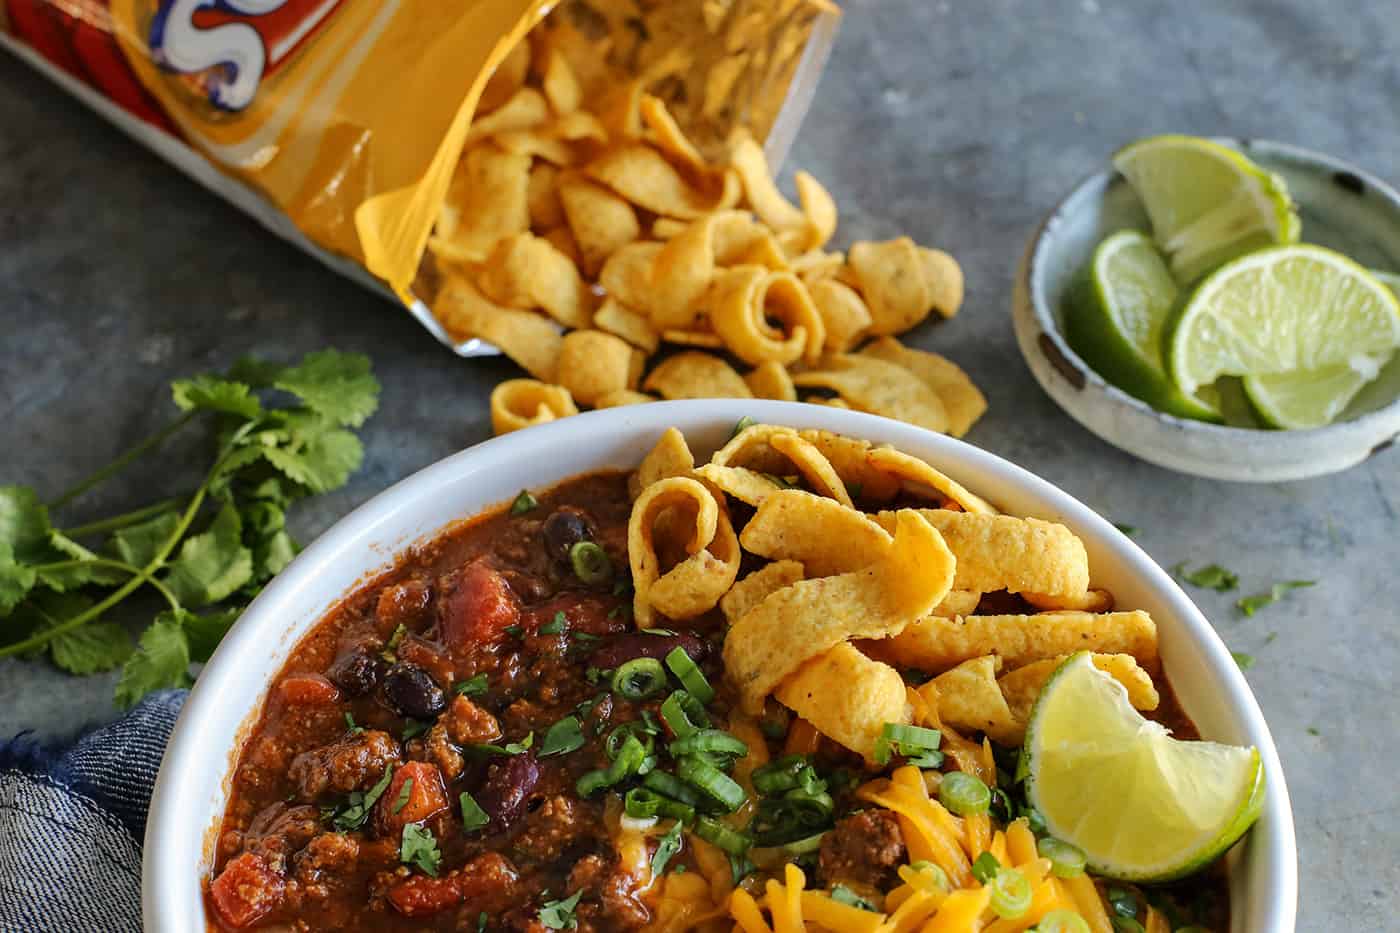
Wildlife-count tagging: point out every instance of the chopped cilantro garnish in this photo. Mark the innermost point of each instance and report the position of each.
(418, 847)
(523, 503)
(355, 812)
(1313, 730)
(405, 792)
(1211, 577)
(669, 845)
(481, 919)
(472, 686)
(392, 646)
(1129, 530)
(844, 895)
(415, 728)
(555, 625)
(1252, 604)
(350, 726)
(985, 868)
(513, 630)
(473, 817)
(559, 915)
(1245, 661)
(741, 425)
(564, 736)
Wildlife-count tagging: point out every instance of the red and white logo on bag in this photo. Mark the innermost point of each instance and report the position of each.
(229, 46)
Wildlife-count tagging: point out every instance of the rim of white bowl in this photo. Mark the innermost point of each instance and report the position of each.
(1378, 427)
(179, 828)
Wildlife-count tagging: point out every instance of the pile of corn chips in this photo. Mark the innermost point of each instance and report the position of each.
(853, 591)
(583, 231)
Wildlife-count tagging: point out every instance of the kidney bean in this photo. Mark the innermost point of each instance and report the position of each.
(624, 648)
(509, 784)
(411, 691)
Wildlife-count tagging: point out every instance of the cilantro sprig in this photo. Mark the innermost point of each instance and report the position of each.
(281, 433)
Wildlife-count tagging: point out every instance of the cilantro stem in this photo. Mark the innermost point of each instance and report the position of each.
(126, 518)
(123, 461)
(119, 565)
(126, 589)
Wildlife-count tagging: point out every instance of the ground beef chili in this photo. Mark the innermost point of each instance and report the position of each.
(483, 637)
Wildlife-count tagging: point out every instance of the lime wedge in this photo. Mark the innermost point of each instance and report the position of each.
(1207, 202)
(1311, 399)
(1142, 805)
(1114, 320)
(1283, 310)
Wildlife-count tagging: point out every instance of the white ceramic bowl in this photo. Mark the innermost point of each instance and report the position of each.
(192, 788)
(1342, 207)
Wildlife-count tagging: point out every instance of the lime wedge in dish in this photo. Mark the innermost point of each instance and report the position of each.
(1283, 311)
(1115, 316)
(1208, 203)
(1141, 805)
(1311, 399)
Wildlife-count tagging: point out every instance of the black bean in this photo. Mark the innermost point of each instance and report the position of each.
(565, 527)
(623, 648)
(411, 691)
(508, 786)
(358, 672)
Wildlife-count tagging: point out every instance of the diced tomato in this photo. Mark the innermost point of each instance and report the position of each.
(419, 895)
(594, 613)
(246, 891)
(308, 690)
(479, 609)
(426, 798)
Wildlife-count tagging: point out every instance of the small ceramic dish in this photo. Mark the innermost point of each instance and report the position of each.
(1342, 207)
(193, 787)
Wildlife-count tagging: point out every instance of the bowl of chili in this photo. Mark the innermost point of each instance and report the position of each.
(330, 657)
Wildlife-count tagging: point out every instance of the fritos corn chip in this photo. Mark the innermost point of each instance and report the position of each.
(771, 380)
(1022, 685)
(593, 364)
(758, 586)
(526, 271)
(692, 519)
(842, 311)
(602, 222)
(878, 387)
(799, 622)
(871, 695)
(696, 375)
(748, 306)
(934, 645)
(823, 535)
(670, 457)
(531, 340)
(970, 699)
(917, 476)
(520, 403)
(962, 400)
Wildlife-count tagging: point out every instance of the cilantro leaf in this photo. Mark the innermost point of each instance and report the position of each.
(259, 374)
(563, 737)
(24, 524)
(559, 915)
(138, 544)
(208, 392)
(472, 686)
(418, 847)
(1129, 530)
(212, 565)
(358, 804)
(91, 648)
(66, 550)
(405, 795)
(205, 631)
(1252, 604)
(844, 895)
(161, 660)
(321, 463)
(473, 817)
(337, 385)
(1211, 576)
(669, 845)
(1245, 661)
(16, 580)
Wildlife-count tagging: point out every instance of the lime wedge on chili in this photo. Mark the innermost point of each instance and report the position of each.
(1114, 319)
(1208, 203)
(1141, 805)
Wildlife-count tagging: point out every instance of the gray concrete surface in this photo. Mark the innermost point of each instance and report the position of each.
(959, 124)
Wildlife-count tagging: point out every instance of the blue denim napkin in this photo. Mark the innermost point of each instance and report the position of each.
(72, 821)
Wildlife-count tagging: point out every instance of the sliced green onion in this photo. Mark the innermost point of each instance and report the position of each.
(963, 794)
(675, 810)
(592, 782)
(712, 782)
(641, 803)
(619, 734)
(812, 807)
(1123, 902)
(629, 758)
(1011, 893)
(591, 563)
(523, 503)
(709, 740)
(770, 856)
(985, 868)
(639, 679)
(780, 775)
(717, 834)
(1034, 820)
(1067, 921)
(1066, 860)
(690, 675)
(934, 872)
(910, 741)
(684, 714)
(668, 785)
